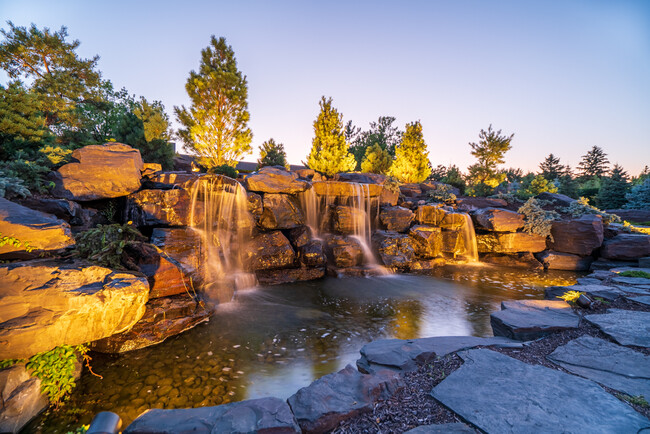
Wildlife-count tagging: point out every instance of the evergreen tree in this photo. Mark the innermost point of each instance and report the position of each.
(551, 169)
(613, 190)
(411, 163)
(489, 151)
(639, 196)
(566, 183)
(538, 184)
(272, 154)
(437, 173)
(381, 132)
(329, 151)
(593, 164)
(376, 160)
(455, 177)
(216, 123)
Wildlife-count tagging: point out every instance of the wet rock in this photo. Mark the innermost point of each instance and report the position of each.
(612, 365)
(66, 210)
(388, 197)
(312, 254)
(300, 236)
(42, 232)
(327, 401)
(601, 291)
(255, 204)
(396, 218)
(427, 240)
(510, 242)
(453, 242)
(410, 190)
(525, 320)
(99, 172)
(500, 220)
(602, 264)
(20, 398)
(626, 247)
(556, 198)
(473, 203)
(525, 260)
(264, 415)
(163, 318)
(268, 251)
(407, 355)
(289, 275)
(564, 261)
(281, 212)
(423, 265)
(182, 245)
(395, 250)
(176, 179)
(275, 180)
(579, 236)
(347, 220)
(344, 252)
(45, 303)
(437, 215)
(346, 189)
(511, 396)
(626, 327)
(160, 207)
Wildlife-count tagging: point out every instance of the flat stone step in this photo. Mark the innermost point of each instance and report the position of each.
(612, 365)
(627, 327)
(445, 428)
(526, 320)
(499, 394)
(644, 299)
(593, 290)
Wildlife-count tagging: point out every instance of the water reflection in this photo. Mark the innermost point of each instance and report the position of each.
(272, 341)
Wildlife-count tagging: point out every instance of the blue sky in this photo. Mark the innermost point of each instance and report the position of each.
(562, 75)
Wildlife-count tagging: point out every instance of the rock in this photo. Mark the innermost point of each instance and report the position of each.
(183, 180)
(632, 215)
(579, 236)
(289, 275)
(42, 232)
(182, 245)
(624, 326)
(428, 186)
(360, 178)
(395, 250)
(265, 415)
(20, 398)
(185, 163)
(346, 189)
(556, 198)
(410, 190)
(348, 220)
(327, 401)
(407, 355)
(453, 243)
(635, 281)
(525, 260)
(163, 318)
(281, 212)
(275, 180)
(396, 218)
(300, 236)
(150, 169)
(99, 172)
(511, 396)
(268, 251)
(526, 320)
(602, 264)
(612, 365)
(445, 428)
(305, 173)
(344, 252)
(160, 207)
(427, 240)
(44, 304)
(499, 220)
(423, 265)
(601, 291)
(626, 247)
(564, 261)
(255, 204)
(644, 262)
(510, 242)
(388, 197)
(472, 203)
(66, 210)
(438, 216)
(644, 299)
(312, 254)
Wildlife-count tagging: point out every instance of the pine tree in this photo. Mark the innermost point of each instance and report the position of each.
(329, 151)
(455, 177)
(272, 154)
(566, 183)
(551, 169)
(411, 163)
(593, 164)
(216, 123)
(489, 152)
(613, 190)
(537, 185)
(376, 160)
(639, 196)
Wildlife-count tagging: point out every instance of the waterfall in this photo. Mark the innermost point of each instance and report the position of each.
(469, 239)
(219, 213)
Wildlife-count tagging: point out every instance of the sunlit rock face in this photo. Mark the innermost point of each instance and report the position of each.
(395, 250)
(281, 211)
(99, 172)
(396, 218)
(347, 219)
(275, 180)
(44, 304)
(439, 216)
(499, 220)
(345, 189)
(579, 236)
(510, 242)
(159, 207)
(564, 261)
(181, 245)
(268, 251)
(43, 232)
(21, 398)
(427, 241)
(343, 251)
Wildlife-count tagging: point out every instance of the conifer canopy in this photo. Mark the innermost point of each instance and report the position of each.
(411, 163)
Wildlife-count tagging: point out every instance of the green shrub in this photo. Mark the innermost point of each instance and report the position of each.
(224, 169)
(392, 184)
(537, 220)
(11, 187)
(508, 197)
(537, 185)
(479, 190)
(581, 207)
(32, 173)
(635, 273)
(639, 196)
(55, 369)
(105, 244)
(442, 193)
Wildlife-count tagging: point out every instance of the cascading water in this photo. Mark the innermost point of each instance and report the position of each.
(219, 213)
(469, 239)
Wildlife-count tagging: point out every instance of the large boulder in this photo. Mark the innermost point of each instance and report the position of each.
(268, 251)
(579, 236)
(564, 261)
(427, 241)
(437, 215)
(510, 242)
(275, 180)
(346, 189)
(281, 212)
(39, 231)
(344, 252)
(453, 243)
(473, 203)
(176, 179)
(360, 178)
(20, 398)
(312, 254)
(626, 246)
(524, 260)
(289, 275)
(556, 198)
(348, 220)
(395, 250)
(632, 215)
(99, 172)
(396, 218)
(44, 304)
(160, 207)
(182, 246)
(66, 210)
(499, 220)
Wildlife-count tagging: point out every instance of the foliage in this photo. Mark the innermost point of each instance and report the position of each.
(566, 184)
(537, 220)
(272, 154)
(537, 185)
(636, 400)
(31, 172)
(382, 133)
(224, 169)
(511, 198)
(55, 369)
(411, 163)
(442, 193)
(8, 363)
(453, 176)
(438, 172)
(551, 169)
(376, 160)
(639, 196)
(329, 152)
(11, 187)
(635, 273)
(589, 188)
(613, 189)
(56, 155)
(479, 190)
(581, 207)
(515, 174)
(594, 163)
(570, 296)
(15, 242)
(489, 151)
(391, 184)
(105, 243)
(215, 126)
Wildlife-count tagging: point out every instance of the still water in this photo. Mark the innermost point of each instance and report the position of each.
(274, 340)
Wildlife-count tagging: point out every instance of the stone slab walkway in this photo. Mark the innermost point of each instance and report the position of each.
(526, 320)
(624, 326)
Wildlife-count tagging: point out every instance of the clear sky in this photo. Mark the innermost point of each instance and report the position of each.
(562, 75)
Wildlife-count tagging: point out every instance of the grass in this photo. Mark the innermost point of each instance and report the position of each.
(635, 273)
(636, 400)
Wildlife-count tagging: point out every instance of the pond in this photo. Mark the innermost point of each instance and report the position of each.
(271, 341)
